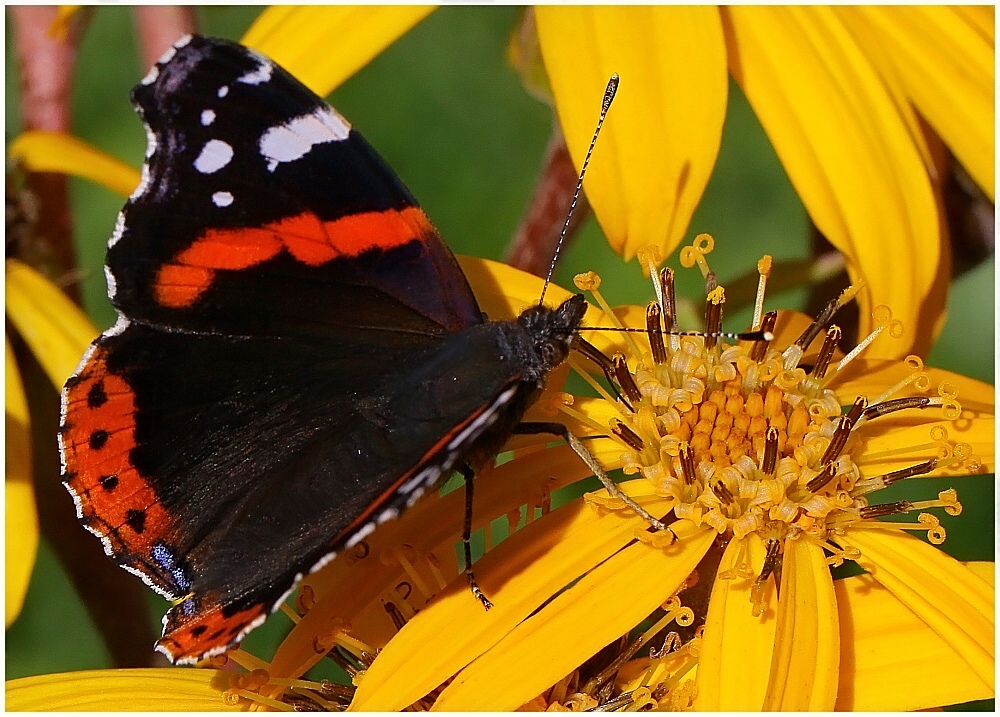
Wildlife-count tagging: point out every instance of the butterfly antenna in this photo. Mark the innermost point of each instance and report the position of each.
(609, 94)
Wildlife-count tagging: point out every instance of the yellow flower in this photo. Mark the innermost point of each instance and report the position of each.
(57, 332)
(568, 581)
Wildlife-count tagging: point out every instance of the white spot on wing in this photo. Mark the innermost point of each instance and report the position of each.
(120, 325)
(485, 419)
(167, 56)
(151, 76)
(222, 199)
(214, 156)
(293, 139)
(183, 41)
(363, 532)
(207, 117)
(223, 91)
(119, 230)
(112, 283)
(260, 75)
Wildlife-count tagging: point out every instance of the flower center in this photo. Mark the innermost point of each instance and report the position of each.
(749, 437)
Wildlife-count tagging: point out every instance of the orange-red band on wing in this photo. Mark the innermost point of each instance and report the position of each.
(180, 283)
(97, 439)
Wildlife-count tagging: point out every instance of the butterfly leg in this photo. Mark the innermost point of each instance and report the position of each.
(587, 457)
(469, 475)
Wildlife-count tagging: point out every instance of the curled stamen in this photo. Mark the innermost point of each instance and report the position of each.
(713, 316)
(883, 316)
(878, 511)
(770, 451)
(655, 333)
(687, 462)
(896, 404)
(760, 347)
(624, 378)
(690, 255)
(822, 479)
(626, 434)
(838, 441)
(830, 342)
(671, 643)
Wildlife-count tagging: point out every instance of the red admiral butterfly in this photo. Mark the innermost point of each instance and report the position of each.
(297, 358)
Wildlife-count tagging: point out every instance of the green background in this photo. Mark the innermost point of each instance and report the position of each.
(456, 124)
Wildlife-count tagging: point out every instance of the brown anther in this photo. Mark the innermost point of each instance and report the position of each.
(624, 378)
(687, 463)
(820, 323)
(597, 356)
(822, 479)
(919, 469)
(711, 282)
(713, 315)
(669, 298)
(770, 452)
(878, 511)
(655, 333)
(838, 441)
(896, 404)
(771, 559)
(626, 434)
(724, 494)
(860, 404)
(767, 323)
(833, 335)
(395, 615)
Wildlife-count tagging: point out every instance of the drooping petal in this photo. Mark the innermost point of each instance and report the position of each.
(736, 650)
(43, 151)
(850, 157)
(891, 660)
(519, 575)
(662, 135)
(947, 596)
(54, 327)
(324, 45)
(602, 606)
(503, 292)
(946, 68)
(169, 689)
(21, 528)
(806, 663)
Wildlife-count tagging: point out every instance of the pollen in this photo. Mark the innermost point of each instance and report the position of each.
(752, 437)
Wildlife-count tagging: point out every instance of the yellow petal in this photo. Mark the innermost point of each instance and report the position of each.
(891, 659)
(43, 151)
(605, 604)
(736, 650)
(173, 689)
(805, 668)
(22, 520)
(945, 66)
(518, 575)
(870, 377)
(55, 328)
(851, 159)
(951, 599)
(662, 134)
(897, 441)
(503, 292)
(322, 45)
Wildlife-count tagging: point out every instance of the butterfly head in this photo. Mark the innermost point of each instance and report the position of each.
(553, 330)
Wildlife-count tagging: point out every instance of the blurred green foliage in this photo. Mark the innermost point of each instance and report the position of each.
(453, 120)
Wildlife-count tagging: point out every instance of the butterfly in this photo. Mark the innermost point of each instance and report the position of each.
(297, 357)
